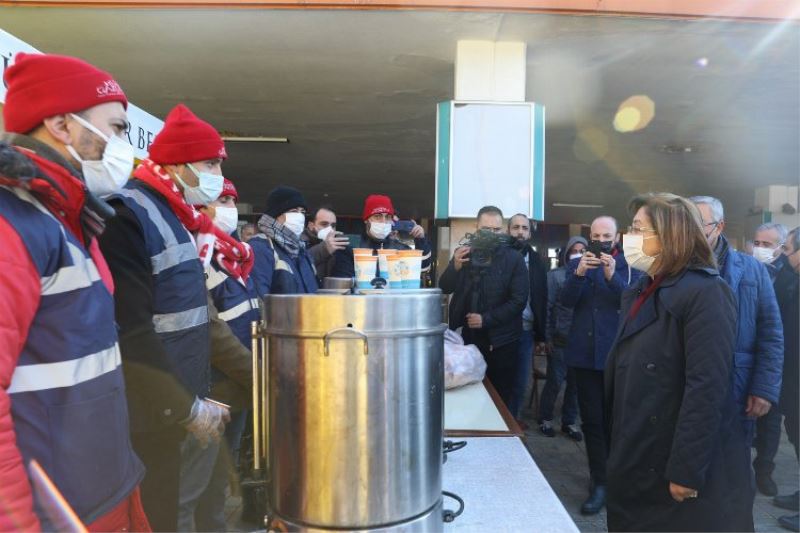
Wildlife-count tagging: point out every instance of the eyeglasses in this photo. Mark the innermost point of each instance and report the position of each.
(633, 230)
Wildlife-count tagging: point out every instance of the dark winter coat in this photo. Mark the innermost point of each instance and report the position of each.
(537, 278)
(559, 316)
(758, 358)
(503, 293)
(323, 260)
(787, 291)
(595, 312)
(671, 409)
(275, 271)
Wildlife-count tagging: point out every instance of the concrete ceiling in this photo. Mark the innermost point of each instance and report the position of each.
(355, 92)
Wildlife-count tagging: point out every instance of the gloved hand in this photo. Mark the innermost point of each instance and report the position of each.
(206, 421)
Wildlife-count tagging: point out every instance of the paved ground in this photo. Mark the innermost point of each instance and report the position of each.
(564, 464)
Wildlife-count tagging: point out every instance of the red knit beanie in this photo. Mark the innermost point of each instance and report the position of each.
(228, 189)
(44, 85)
(376, 204)
(186, 139)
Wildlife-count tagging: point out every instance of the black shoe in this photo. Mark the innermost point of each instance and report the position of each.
(789, 502)
(572, 432)
(596, 501)
(792, 523)
(765, 485)
(547, 429)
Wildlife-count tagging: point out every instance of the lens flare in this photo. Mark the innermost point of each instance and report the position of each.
(634, 114)
(627, 119)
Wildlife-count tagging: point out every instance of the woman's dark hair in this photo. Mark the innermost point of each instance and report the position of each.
(678, 224)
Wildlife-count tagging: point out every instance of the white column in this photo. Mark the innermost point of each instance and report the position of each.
(490, 71)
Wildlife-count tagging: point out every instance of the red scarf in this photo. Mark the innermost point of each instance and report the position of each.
(233, 256)
(64, 204)
(654, 284)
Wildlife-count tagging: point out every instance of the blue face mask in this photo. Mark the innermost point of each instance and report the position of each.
(208, 189)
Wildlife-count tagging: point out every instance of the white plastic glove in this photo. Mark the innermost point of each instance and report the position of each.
(207, 421)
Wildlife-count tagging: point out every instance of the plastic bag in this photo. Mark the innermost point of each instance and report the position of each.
(463, 364)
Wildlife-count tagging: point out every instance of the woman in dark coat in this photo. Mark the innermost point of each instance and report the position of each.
(675, 453)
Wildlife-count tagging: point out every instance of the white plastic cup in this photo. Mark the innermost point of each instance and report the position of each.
(411, 270)
(395, 265)
(365, 270)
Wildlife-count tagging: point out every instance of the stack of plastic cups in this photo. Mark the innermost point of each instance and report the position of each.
(411, 268)
(365, 267)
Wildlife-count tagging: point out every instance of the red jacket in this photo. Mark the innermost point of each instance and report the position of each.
(20, 293)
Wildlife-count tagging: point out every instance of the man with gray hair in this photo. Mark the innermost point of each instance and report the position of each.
(758, 355)
(768, 244)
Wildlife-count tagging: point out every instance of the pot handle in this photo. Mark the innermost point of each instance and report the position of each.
(332, 334)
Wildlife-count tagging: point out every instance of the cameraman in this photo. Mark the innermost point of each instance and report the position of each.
(490, 289)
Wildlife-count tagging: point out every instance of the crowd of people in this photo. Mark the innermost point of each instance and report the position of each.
(679, 352)
(127, 298)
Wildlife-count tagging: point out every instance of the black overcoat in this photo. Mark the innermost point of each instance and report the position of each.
(671, 408)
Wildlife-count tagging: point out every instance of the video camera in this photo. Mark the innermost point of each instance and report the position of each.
(482, 246)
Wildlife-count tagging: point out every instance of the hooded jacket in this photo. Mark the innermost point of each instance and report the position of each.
(559, 317)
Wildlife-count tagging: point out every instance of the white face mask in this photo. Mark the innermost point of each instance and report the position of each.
(295, 222)
(208, 188)
(575, 256)
(380, 230)
(763, 254)
(324, 232)
(226, 218)
(109, 174)
(632, 247)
